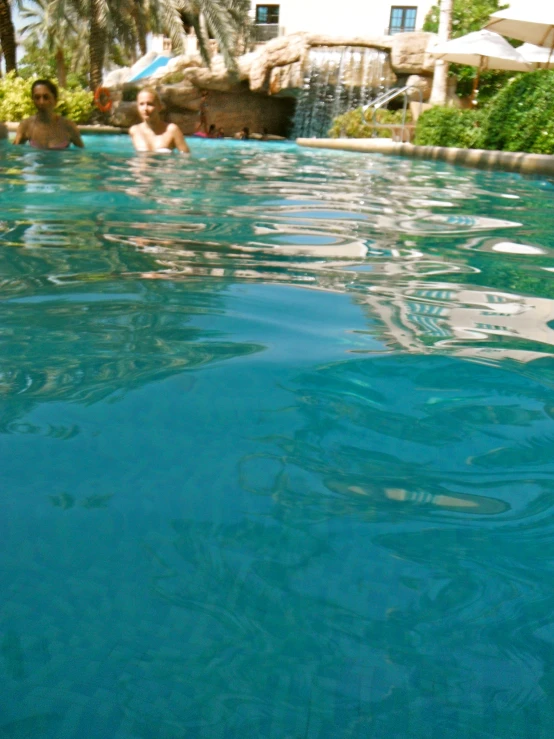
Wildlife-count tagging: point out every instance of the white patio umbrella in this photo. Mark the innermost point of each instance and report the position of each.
(531, 22)
(538, 56)
(484, 50)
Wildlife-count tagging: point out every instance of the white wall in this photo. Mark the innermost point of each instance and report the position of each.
(345, 18)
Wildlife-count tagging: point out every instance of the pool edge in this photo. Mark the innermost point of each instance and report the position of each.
(481, 158)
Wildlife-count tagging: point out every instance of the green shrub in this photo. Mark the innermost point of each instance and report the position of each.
(490, 81)
(450, 127)
(16, 102)
(520, 117)
(77, 104)
(15, 98)
(351, 125)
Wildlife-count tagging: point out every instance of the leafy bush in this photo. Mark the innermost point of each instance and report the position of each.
(16, 102)
(490, 81)
(76, 104)
(467, 15)
(15, 98)
(450, 127)
(351, 125)
(520, 117)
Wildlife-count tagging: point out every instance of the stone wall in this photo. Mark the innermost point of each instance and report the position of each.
(234, 110)
(262, 91)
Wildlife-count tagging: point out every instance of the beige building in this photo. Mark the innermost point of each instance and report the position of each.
(350, 18)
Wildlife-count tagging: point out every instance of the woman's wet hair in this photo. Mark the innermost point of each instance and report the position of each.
(47, 83)
(154, 92)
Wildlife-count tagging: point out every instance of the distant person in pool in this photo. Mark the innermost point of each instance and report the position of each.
(47, 129)
(244, 134)
(154, 134)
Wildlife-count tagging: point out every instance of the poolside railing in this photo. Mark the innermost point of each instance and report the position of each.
(399, 130)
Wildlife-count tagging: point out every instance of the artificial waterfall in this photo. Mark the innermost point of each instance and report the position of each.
(337, 79)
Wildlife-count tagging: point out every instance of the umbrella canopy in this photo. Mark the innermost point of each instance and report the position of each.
(531, 23)
(539, 56)
(483, 49)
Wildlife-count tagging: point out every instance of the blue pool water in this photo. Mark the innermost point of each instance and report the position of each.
(277, 446)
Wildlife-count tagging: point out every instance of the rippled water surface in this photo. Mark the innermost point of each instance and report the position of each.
(277, 446)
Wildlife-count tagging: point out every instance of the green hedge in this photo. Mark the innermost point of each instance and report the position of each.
(16, 103)
(450, 127)
(351, 125)
(519, 118)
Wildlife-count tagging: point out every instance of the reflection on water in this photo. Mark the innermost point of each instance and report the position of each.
(276, 431)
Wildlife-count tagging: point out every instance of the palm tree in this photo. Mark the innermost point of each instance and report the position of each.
(56, 26)
(124, 24)
(109, 22)
(97, 41)
(223, 20)
(128, 21)
(7, 36)
(145, 18)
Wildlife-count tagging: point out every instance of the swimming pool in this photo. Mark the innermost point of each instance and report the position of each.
(277, 446)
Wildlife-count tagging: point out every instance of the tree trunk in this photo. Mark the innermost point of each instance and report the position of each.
(97, 45)
(7, 36)
(440, 78)
(61, 69)
(142, 41)
(141, 29)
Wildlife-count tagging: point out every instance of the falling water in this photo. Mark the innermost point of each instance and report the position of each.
(337, 79)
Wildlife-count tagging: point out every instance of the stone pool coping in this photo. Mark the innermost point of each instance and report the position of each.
(507, 160)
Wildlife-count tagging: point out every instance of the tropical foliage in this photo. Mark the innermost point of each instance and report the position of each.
(7, 35)
(16, 103)
(468, 16)
(79, 33)
(450, 127)
(351, 124)
(57, 31)
(519, 118)
(37, 61)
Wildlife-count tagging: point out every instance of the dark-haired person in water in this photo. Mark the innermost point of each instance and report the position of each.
(154, 134)
(47, 129)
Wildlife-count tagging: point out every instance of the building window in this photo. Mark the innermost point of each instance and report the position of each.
(402, 18)
(267, 14)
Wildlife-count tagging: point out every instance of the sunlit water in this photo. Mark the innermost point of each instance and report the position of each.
(277, 446)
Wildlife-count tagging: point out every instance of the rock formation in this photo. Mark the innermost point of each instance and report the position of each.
(261, 93)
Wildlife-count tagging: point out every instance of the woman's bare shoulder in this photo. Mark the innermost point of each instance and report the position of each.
(22, 133)
(69, 124)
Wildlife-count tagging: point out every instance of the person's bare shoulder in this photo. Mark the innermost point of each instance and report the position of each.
(22, 133)
(178, 139)
(74, 133)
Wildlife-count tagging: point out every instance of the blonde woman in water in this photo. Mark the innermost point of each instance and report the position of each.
(154, 134)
